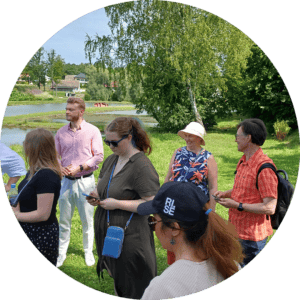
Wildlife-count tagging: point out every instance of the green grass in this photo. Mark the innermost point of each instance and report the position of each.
(221, 142)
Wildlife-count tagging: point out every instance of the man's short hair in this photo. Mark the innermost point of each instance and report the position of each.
(79, 101)
(256, 128)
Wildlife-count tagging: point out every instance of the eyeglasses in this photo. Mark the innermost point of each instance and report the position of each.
(152, 222)
(115, 143)
(237, 135)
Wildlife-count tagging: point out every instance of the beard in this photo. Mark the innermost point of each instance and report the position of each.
(73, 118)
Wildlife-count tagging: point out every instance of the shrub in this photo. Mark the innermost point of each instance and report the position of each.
(87, 97)
(24, 88)
(281, 129)
(17, 96)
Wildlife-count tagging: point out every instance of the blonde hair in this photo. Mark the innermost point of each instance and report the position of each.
(127, 125)
(40, 151)
(79, 101)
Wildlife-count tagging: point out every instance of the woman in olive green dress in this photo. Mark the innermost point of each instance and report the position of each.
(134, 181)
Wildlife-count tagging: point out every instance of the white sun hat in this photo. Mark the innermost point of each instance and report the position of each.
(194, 128)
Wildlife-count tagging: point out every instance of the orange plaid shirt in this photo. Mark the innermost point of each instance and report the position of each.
(251, 226)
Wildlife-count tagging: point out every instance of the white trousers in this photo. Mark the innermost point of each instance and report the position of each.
(71, 196)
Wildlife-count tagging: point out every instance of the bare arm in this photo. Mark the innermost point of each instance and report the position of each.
(212, 180)
(169, 174)
(111, 203)
(44, 207)
(267, 207)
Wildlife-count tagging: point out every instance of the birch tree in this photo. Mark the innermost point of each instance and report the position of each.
(182, 55)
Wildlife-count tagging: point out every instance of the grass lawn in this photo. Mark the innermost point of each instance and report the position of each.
(221, 142)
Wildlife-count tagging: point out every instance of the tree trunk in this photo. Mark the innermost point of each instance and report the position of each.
(194, 107)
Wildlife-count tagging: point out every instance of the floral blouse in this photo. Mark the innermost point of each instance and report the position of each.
(189, 167)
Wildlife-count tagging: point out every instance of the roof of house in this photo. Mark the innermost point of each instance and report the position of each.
(69, 77)
(80, 75)
(67, 84)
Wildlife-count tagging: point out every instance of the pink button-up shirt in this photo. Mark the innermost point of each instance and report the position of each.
(84, 146)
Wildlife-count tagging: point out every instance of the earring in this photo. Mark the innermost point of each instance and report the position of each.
(172, 242)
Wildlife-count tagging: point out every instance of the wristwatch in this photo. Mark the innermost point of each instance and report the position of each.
(240, 208)
(81, 167)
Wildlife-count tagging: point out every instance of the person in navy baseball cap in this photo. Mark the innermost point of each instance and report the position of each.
(182, 201)
(206, 247)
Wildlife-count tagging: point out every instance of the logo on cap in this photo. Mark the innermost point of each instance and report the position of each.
(169, 207)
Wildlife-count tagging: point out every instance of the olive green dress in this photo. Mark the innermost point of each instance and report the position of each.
(136, 266)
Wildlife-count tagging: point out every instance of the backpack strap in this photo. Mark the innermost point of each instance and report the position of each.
(264, 166)
(238, 166)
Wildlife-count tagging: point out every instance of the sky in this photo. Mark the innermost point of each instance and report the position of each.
(69, 41)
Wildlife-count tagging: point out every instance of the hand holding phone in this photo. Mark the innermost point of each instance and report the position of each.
(90, 197)
(216, 198)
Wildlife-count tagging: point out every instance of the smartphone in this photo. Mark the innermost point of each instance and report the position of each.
(216, 198)
(97, 198)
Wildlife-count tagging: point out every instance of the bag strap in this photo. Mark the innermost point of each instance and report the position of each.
(237, 166)
(112, 172)
(26, 184)
(264, 166)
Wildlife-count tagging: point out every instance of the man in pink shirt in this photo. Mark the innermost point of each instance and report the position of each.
(79, 144)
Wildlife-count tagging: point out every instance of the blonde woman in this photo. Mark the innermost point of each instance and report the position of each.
(39, 192)
(192, 163)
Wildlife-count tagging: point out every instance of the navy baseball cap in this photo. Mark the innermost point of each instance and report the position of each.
(182, 201)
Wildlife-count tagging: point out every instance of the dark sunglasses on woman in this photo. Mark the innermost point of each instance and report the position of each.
(115, 143)
(152, 222)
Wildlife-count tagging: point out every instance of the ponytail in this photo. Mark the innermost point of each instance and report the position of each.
(127, 125)
(140, 138)
(215, 237)
(220, 242)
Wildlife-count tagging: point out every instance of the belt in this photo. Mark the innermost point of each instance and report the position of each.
(75, 178)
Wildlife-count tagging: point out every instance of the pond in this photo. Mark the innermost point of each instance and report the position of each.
(10, 136)
(31, 109)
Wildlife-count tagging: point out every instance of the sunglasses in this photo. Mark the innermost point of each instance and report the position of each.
(152, 222)
(115, 143)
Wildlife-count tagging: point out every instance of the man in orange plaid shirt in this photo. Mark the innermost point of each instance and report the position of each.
(249, 206)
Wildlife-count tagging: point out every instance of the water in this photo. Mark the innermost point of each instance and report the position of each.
(31, 109)
(11, 136)
(12, 200)
(124, 112)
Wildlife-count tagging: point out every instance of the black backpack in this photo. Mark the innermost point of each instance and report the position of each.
(285, 193)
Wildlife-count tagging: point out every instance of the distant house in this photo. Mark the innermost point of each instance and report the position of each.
(81, 77)
(70, 77)
(24, 77)
(112, 84)
(66, 86)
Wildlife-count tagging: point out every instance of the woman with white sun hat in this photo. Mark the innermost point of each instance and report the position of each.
(192, 163)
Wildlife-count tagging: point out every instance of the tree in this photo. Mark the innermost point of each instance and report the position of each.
(99, 83)
(263, 92)
(55, 66)
(179, 53)
(73, 69)
(36, 68)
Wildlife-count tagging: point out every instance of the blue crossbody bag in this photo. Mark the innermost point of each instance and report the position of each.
(114, 239)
